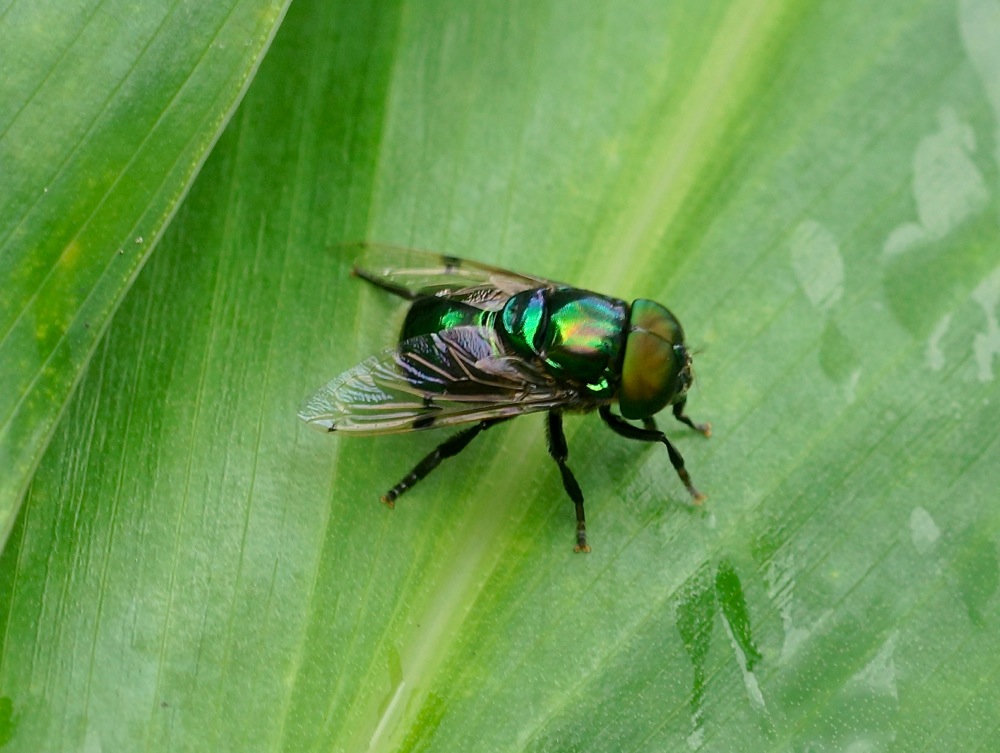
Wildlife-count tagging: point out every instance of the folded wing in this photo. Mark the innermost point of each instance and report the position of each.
(423, 273)
(455, 376)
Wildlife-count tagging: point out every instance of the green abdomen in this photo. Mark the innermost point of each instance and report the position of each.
(432, 314)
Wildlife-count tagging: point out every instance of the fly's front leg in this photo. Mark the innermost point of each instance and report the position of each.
(559, 451)
(448, 448)
(680, 415)
(651, 434)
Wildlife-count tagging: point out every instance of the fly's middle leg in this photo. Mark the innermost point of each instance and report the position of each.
(448, 448)
(651, 434)
(559, 451)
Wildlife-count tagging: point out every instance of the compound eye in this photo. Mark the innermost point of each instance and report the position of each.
(655, 359)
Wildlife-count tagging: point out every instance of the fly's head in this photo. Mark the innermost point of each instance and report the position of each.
(656, 369)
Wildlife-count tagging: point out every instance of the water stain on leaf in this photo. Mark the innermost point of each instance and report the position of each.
(986, 345)
(733, 601)
(977, 571)
(924, 532)
(707, 595)
(694, 623)
(837, 357)
(932, 265)
(819, 269)
(947, 186)
(817, 264)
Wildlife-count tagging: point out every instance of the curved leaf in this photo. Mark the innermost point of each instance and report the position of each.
(107, 110)
(811, 187)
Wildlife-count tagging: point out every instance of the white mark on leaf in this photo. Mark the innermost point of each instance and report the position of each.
(780, 589)
(924, 532)
(947, 187)
(696, 739)
(879, 675)
(817, 264)
(979, 23)
(935, 356)
(851, 386)
(754, 692)
(987, 344)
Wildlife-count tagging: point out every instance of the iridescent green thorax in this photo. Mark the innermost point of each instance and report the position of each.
(579, 334)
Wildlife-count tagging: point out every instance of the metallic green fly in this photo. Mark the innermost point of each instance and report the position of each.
(481, 345)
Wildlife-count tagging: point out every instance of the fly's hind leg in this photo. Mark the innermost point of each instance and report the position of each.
(559, 451)
(448, 448)
(651, 434)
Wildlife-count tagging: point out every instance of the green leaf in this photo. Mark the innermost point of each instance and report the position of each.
(811, 187)
(107, 111)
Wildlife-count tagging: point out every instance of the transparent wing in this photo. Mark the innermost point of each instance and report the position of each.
(446, 378)
(423, 273)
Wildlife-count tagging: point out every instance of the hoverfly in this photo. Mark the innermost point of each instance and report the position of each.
(480, 345)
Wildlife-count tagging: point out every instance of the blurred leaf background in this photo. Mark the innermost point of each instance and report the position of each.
(811, 186)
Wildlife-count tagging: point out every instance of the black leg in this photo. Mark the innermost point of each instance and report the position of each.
(559, 451)
(681, 416)
(448, 448)
(650, 434)
(385, 285)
